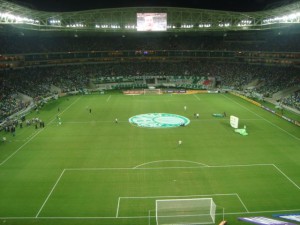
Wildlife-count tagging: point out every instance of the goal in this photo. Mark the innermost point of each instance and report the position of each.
(152, 91)
(185, 211)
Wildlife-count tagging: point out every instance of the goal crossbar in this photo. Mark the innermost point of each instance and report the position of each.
(185, 211)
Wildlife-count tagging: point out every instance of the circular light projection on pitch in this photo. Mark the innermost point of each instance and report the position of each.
(159, 120)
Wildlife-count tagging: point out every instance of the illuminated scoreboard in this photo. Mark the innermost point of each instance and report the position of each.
(151, 21)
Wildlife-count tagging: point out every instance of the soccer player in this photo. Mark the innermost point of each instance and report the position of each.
(184, 108)
(179, 142)
(116, 120)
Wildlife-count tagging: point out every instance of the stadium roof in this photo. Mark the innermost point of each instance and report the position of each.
(125, 19)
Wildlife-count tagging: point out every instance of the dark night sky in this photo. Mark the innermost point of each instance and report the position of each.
(77, 5)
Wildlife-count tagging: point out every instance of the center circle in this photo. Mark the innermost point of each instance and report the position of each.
(159, 120)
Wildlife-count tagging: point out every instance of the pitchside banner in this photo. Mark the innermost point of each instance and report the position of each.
(264, 221)
(292, 217)
(234, 121)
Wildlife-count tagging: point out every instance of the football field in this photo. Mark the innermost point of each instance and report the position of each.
(86, 168)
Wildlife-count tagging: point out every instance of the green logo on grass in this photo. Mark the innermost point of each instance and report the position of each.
(159, 120)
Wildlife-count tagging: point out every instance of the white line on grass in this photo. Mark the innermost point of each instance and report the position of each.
(241, 165)
(263, 118)
(15, 152)
(161, 168)
(159, 161)
(242, 202)
(197, 97)
(177, 196)
(90, 122)
(11, 155)
(50, 193)
(149, 214)
(137, 217)
(108, 98)
(287, 177)
(65, 110)
(255, 212)
(117, 214)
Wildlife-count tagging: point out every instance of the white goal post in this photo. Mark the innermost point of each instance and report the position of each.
(152, 91)
(185, 211)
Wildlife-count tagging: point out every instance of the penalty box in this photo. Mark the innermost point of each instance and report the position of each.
(122, 192)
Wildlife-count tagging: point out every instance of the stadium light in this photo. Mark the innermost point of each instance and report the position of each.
(188, 26)
(129, 26)
(10, 18)
(54, 22)
(76, 25)
(204, 25)
(289, 18)
(224, 24)
(244, 23)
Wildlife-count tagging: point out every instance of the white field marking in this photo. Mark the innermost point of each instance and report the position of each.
(240, 165)
(158, 168)
(108, 98)
(237, 195)
(255, 212)
(50, 193)
(197, 167)
(263, 118)
(33, 136)
(33, 133)
(287, 177)
(64, 110)
(159, 161)
(177, 196)
(120, 168)
(224, 119)
(90, 122)
(197, 97)
(137, 217)
(15, 152)
(180, 196)
(117, 214)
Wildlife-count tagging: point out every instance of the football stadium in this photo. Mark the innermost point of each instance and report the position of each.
(149, 116)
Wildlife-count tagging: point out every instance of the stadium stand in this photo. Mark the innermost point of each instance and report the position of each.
(36, 64)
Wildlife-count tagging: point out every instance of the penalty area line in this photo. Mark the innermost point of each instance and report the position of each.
(289, 179)
(37, 215)
(237, 195)
(117, 214)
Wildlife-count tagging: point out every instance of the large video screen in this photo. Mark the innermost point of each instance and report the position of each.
(151, 21)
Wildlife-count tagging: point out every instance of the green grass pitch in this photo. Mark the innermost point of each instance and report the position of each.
(91, 170)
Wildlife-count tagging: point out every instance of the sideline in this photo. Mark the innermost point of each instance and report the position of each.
(15, 152)
(262, 117)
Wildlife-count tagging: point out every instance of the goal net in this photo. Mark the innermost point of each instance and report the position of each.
(152, 91)
(185, 211)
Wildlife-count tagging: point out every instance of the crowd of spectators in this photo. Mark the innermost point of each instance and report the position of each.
(38, 83)
(293, 100)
